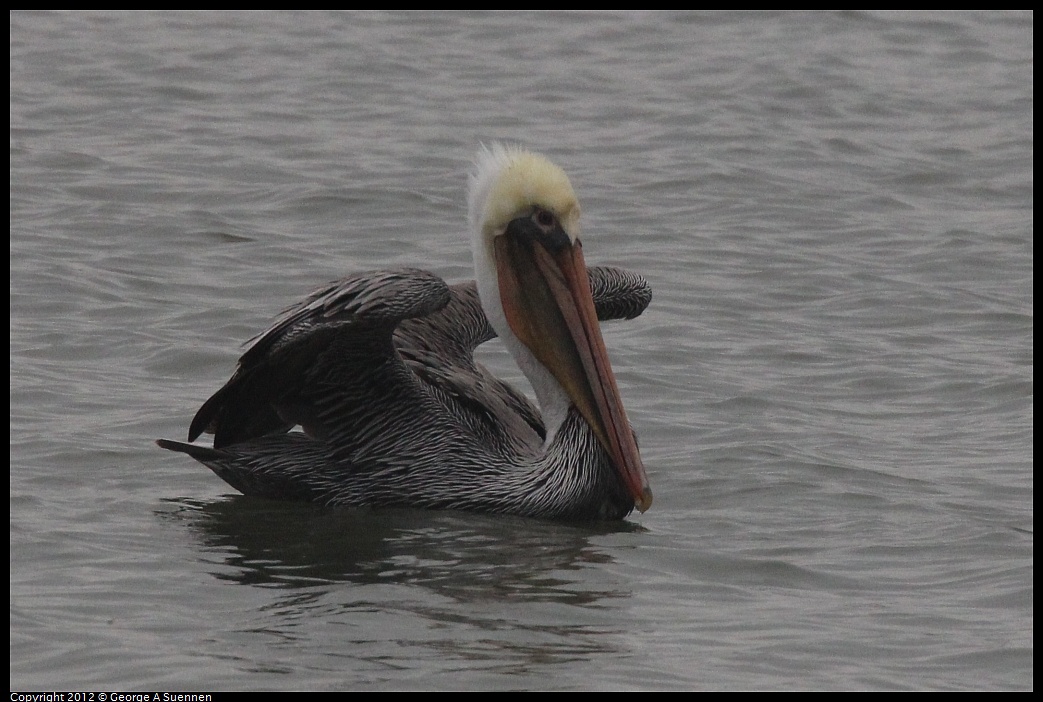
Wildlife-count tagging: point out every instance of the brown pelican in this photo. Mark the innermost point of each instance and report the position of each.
(378, 371)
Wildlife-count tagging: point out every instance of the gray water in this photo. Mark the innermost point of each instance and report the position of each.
(832, 387)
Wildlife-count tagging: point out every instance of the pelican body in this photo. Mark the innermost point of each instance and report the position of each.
(378, 372)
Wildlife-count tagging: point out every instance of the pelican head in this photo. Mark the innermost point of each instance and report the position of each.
(532, 280)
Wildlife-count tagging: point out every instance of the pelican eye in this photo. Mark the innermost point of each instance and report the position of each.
(544, 219)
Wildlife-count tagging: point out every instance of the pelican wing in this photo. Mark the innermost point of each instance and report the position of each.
(330, 362)
(343, 329)
(618, 293)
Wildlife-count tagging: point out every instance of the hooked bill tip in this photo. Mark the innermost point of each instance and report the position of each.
(645, 501)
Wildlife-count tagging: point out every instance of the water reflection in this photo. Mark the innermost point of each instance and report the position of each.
(418, 588)
(288, 544)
